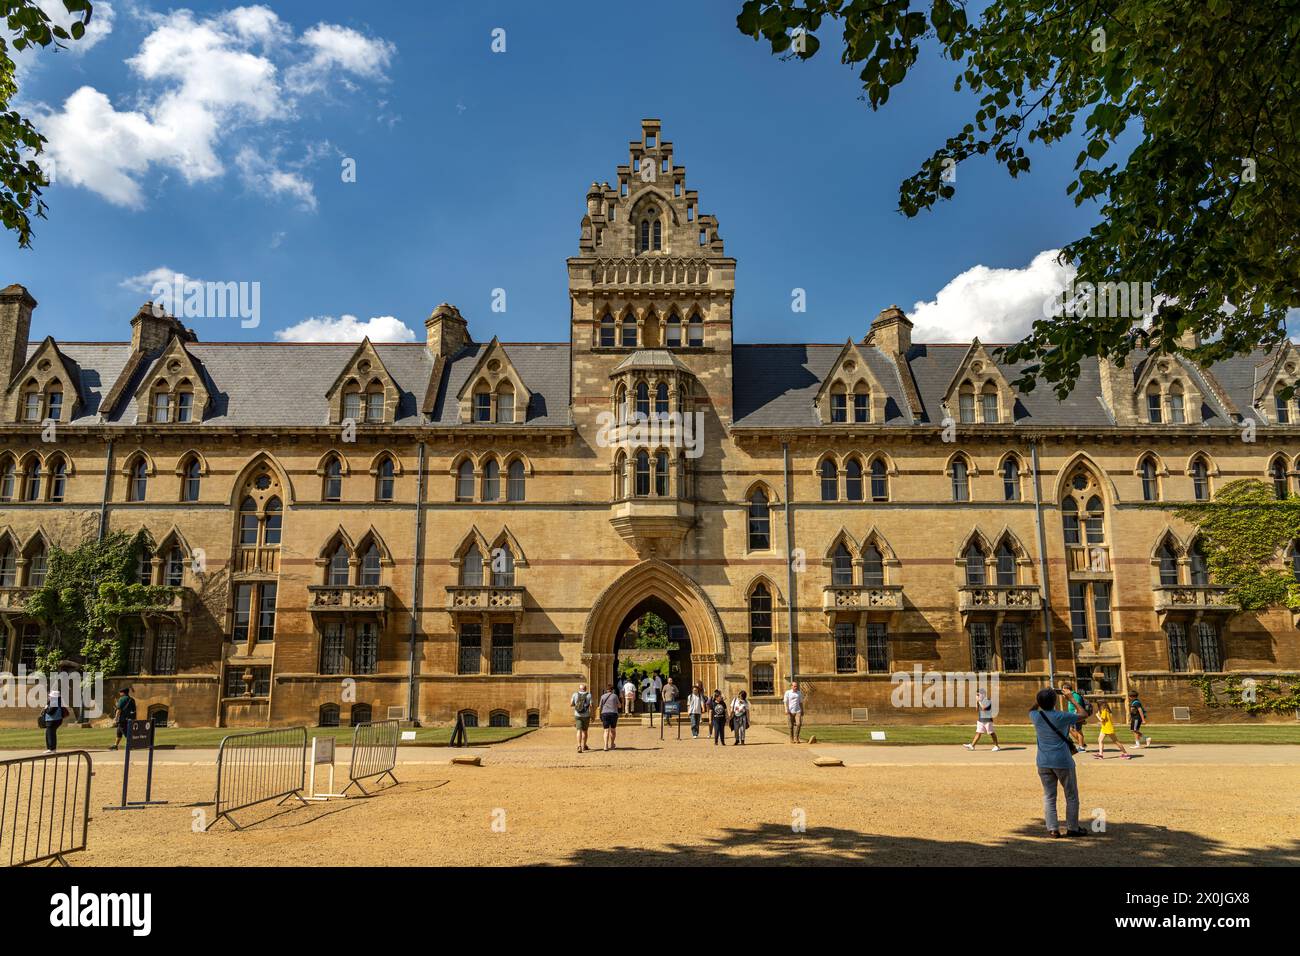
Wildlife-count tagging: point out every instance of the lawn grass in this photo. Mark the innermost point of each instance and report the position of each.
(1164, 733)
(80, 738)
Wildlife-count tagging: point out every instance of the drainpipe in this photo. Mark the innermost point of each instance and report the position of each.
(1042, 565)
(103, 502)
(417, 586)
(789, 553)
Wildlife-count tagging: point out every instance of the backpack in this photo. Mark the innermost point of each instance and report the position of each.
(583, 704)
(1083, 704)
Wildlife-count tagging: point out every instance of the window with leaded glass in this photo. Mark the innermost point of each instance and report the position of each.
(846, 648)
(164, 651)
(366, 658)
(331, 648)
(1207, 635)
(877, 648)
(1013, 648)
(1176, 634)
(981, 646)
(760, 615)
(471, 647)
(503, 647)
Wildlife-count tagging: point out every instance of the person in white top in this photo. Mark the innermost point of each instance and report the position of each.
(629, 696)
(740, 717)
(695, 708)
(794, 711)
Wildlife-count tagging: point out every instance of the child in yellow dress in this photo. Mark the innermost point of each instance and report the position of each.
(1108, 730)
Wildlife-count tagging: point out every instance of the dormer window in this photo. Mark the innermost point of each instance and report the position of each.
(184, 405)
(839, 404)
(32, 405)
(1176, 415)
(966, 404)
(352, 404)
(506, 403)
(375, 405)
(989, 404)
(54, 402)
(861, 403)
(162, 408)
(1154, 411)
(1282, 406)
(482, 405)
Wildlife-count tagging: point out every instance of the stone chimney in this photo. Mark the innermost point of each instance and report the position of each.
(150, 332)
(16, 305)
(446, 331)
(891, 332)
(1189, 339)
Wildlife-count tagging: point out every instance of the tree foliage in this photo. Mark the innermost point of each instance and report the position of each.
(21, 177)
(1206, 205)
(87, 594)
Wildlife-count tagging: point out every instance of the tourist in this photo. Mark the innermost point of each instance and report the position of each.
(650, 695)
(629, 695)
(1108, 731)
(740, 717)
(609, 715)
(671, 693)
(1082, 710)
(50, 718)
(983, 721)
(794, 711)
(718, 717)
(123, 714)
(1137, 716)
(1055, 762)
(581, 703)
(695, 707)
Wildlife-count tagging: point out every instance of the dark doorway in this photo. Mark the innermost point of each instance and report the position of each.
(641, 633)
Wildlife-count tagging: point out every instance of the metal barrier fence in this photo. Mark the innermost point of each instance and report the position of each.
(260, 766)
(44, 807)
(374, 752)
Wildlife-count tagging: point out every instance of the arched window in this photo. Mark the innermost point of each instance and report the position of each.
(469, 718)
(506, 403)
(1150, 479)
(1155, 411)
(656, 238)
(695, 331)
(339, 572)
(374, 403)
(360, 714)
(879, 480)
(1200, 479)
(661, 474)
(760, 615)
(873, 567)
(482, 410)
(174, 567)
(1282, 405)
(1093, 521)
(352, 402)
(841, 566)
(620, 404)
(1070, 520)
(861, 403)
(642, 400)
(184, 395)
(975, 566)
(760, 522)
(1006, 564)
(644, 245)
(1176, 413)
(515, 481)
(629, 331)
(642, 474)
(465, 481)
(384, 479)
(960, 479)
(191, 476)
(271, 522)
(620, 476)
(853, 480)
(607, 331)
(138, 487)
(661, 400)
(37, 564)
(503, 567)
(1281, 482)
(471, 568)
(54, 402)
(58, 479)
(1010, 479)
(966, 404)
(830, 480)
(8, 479)
(1199, 570)
(8, 564)
(839, 403)
(248, 522)
(161, 412)
(989, 404)
(1168, 564)
(333, 487)
(491, 480)
(500, 718)
(329, 715)
(673, 331)
(370, 566)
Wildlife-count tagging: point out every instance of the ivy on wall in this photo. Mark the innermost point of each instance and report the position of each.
(1262, 696)
(88, 593)
(1242, 532)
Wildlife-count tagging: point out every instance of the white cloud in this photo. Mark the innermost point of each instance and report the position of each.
(146, 281)
(261, 174)
(997, 305)
(346, 328)
(202, 79)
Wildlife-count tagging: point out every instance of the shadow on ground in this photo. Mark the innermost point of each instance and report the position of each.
(775, 845)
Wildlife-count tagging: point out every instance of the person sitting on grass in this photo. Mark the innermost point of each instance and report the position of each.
(1108, 731)
(983, 721)
(1055, 762)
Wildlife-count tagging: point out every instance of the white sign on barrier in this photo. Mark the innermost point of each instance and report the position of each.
(322, 754)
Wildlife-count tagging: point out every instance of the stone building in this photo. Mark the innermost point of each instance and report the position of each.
(470, 525)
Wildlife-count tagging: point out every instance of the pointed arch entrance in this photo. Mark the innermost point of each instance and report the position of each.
(654, 585)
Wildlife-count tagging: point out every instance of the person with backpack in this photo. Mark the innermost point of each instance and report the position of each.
(50, 719)
(695, 708)
(581, 703)
(740, 717)
(1055, 762)
(1137, 716)
(123, 714)
(718, 714)
(609, 715)
(1081, 708)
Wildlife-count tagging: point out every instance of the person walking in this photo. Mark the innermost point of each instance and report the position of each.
(650, 695)
(1137, 716)
(671, 693)
(740, 717)
(1077, 704)
(718, 717)
(695, 708)
(609, 715)
(794, 712)
(983, 721)
(581, 703)
(1055, 762)
(123, 714)
(629, 695)
(1108, 731)
(51, 718)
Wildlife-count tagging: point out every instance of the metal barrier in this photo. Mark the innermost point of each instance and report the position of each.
(44, 807)
(256, 767)
(374, 752)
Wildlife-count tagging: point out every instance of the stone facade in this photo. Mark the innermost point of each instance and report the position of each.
(417, 530)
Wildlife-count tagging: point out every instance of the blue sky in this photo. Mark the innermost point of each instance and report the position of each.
(209, 140)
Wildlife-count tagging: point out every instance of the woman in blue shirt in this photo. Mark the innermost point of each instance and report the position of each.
(1056, 762)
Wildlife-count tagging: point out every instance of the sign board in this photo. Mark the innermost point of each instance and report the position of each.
(877, 735)
(672, 707)
(408, 734)
(140, 734)
(322, 750)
